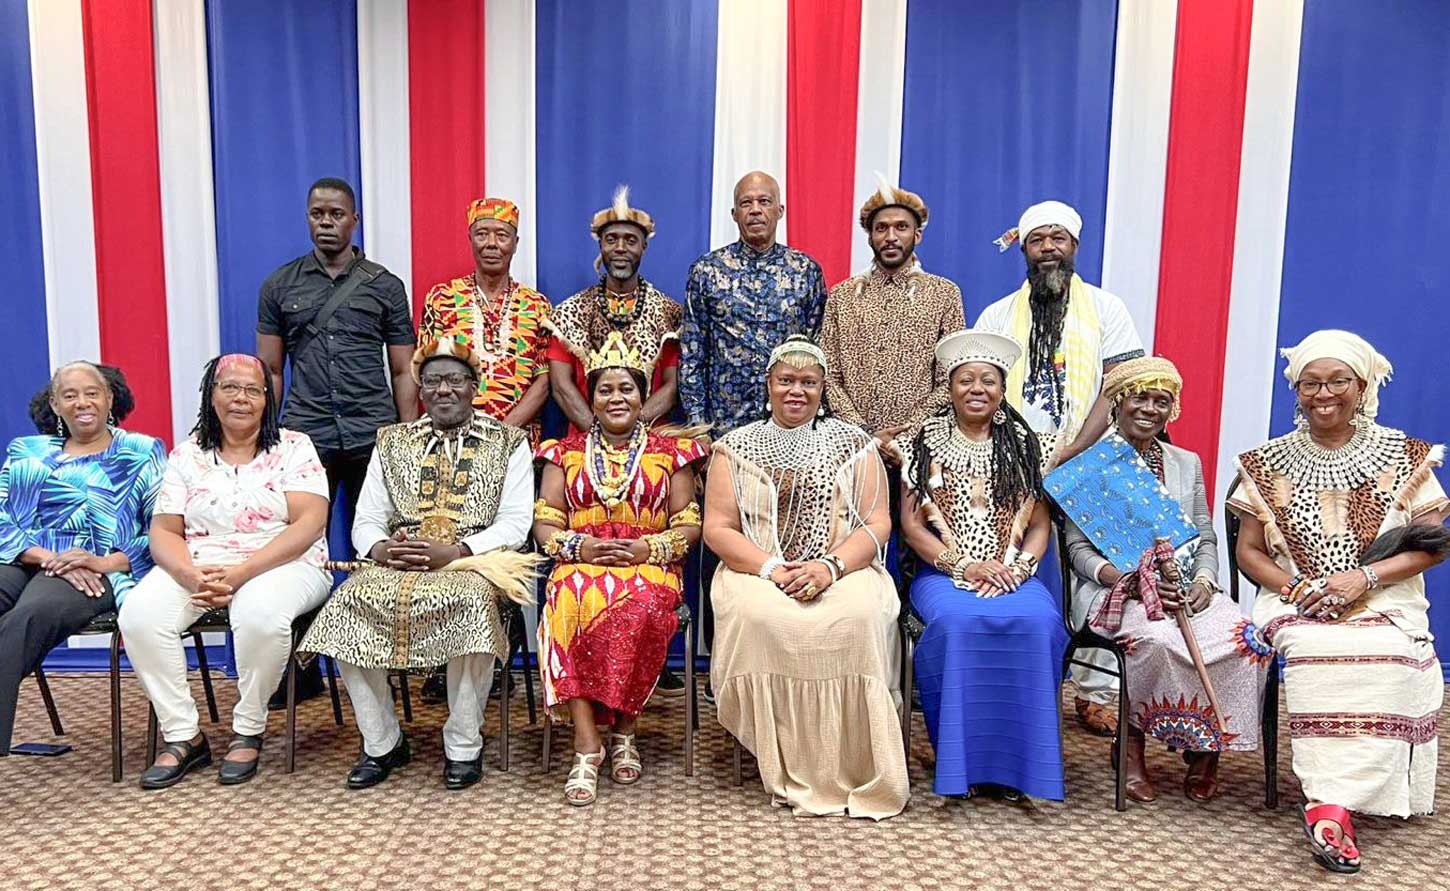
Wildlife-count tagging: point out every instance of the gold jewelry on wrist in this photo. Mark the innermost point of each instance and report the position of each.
(666, 547)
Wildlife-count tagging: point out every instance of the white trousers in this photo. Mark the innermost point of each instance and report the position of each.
(469, 679)
(158, 610)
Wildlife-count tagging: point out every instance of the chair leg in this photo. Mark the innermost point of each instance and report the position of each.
(691, 706)
(529, 683)
(205, 677)
(503, 712)
(332, 688)
(546, 754)
(1120, 741)
(49, 701)
(152, 729)
(116, 707)
(291, 680)
(908, 683)
(737, 772)
(407, 697)
(1269, 737)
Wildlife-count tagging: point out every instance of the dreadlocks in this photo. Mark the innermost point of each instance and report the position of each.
(1047, 297)
(208, 429)
(1016, 461)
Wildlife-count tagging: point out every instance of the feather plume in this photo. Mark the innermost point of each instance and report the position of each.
(884, 188)
(621, 203)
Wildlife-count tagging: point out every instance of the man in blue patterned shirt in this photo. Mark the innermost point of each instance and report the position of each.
(740, 302)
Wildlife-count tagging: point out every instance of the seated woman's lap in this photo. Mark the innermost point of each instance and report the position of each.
(942, 604)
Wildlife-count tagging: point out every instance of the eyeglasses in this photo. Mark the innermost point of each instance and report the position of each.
(455, 381)
(230, 390)
(1337, 387)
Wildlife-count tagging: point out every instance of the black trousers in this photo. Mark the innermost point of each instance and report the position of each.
(346, 470)
(36, 613)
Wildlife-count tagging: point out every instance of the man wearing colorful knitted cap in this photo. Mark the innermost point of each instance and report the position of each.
(879, 325)
(502, 321)
(1075, 333)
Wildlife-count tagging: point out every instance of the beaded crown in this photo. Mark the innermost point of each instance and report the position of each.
(615, 352)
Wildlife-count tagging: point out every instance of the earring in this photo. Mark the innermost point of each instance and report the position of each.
(1358, 420)
(999, 417)
(1301, 421)
(59, 427)
(111, 419)
(820, 411)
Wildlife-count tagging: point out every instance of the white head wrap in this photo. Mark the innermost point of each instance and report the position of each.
(1351, 349)
(960, 347)
(1049, 213)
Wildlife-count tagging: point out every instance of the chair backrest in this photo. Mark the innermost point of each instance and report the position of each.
(1064, 566)
(1231, 530)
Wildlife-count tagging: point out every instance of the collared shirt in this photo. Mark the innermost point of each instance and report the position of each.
(509, 336)
(740, 304)
(339, 394)
(879, 335)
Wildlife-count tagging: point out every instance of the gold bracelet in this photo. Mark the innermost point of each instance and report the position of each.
(557, 543)
(547, 513)
(689, 515)
(667, 547)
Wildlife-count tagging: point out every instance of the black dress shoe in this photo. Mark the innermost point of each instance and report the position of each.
(462, 774)
(309, 686)
(369, 771)
(189, 756)
(669, 684)
(435, 688)
(233, 773)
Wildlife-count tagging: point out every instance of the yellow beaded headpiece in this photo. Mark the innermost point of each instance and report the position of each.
(615, 352)
(1144, 373)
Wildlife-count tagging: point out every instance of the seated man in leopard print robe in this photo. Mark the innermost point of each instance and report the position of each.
(446, 501)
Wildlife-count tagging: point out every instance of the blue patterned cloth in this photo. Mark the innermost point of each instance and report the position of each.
(740, 304)
(1110, 493)
(99, 502)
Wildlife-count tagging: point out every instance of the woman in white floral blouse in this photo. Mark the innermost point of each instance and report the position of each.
(238, 523)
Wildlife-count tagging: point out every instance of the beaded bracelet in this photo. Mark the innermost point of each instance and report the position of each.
(1370, 576)
(770, 565)
(666, 547)
(564, 546)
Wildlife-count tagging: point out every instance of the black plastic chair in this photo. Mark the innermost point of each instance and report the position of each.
(685, 625)
(1269, 719)
(1087, 638)
(219, 620)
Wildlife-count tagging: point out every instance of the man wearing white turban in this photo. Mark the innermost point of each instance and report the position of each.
(1075, 333)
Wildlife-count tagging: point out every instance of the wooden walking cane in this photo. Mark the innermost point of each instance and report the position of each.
(1168, 567)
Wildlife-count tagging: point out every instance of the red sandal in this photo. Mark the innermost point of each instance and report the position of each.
(1338, 847)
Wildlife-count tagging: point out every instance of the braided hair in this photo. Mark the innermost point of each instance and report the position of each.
(1016, 460)
(208, 429)
(123, 402)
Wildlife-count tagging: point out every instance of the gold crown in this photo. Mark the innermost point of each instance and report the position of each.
(615, 352)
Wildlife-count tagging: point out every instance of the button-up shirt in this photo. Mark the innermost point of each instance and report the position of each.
(339, 393)
(879, 335)
(740, 304)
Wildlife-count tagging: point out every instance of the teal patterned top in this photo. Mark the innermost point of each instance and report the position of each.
(99, 502)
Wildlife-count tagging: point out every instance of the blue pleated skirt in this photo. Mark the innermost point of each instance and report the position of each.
(988, 670)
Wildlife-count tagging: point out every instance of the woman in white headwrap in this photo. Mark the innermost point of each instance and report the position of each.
(1340, 518)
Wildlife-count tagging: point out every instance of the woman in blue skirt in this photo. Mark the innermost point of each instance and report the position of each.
(990, 661)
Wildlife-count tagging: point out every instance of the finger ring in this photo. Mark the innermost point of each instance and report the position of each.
(810, 589)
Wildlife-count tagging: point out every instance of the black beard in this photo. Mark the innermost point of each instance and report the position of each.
(907, 253)
(1048, 299)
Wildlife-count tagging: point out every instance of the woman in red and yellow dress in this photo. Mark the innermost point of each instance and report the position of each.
(617, 513)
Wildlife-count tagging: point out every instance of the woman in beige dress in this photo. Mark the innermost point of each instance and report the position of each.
(806, 651)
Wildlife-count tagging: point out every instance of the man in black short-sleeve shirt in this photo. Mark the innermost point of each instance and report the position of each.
(339, 394)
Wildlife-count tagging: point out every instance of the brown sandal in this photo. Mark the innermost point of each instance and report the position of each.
(1096, 718)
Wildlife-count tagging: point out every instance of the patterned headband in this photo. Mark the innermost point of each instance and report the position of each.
(494, 209)
(233, 360)
(793, 352)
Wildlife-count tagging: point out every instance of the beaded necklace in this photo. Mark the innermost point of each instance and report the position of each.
(1368, 452)
(493, 327)
(611, 469)
(620, 309)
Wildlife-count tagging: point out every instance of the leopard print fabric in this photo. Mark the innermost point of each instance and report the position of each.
(1326, 515)
(961, 488)
(386, 618)
(581, 324)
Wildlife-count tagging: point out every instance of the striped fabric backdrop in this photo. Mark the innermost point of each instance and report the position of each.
(1247, 171)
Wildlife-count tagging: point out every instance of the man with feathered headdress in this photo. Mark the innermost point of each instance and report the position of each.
(622, 301)
(1074, 332)
(879, 325)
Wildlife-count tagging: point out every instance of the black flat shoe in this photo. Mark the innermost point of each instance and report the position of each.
(369, 771)
(462, 774)
(189, 756)
(233, 773)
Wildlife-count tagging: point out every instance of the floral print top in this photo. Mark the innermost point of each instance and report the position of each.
(233, 511)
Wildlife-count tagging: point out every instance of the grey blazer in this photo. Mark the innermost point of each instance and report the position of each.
(1183, 477)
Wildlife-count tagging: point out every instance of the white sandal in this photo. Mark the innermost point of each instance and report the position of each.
(624, 756)
(584, 777)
